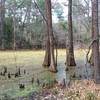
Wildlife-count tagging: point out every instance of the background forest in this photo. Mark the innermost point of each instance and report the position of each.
(24, 25)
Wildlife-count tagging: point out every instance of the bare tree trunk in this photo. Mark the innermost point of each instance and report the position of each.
(14, 33)
(50, 37)
(47, 59)
(49, 19)
(29, 5)
(95, 36)
(70, 55)
(2, 16)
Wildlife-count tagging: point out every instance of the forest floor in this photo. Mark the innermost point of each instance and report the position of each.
(78, 90)
(30, 64)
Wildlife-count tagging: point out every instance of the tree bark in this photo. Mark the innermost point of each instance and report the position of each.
(14, 32)
(70, 61)
(95, 36)
(2, 16)
(47, 59)
(50, 41)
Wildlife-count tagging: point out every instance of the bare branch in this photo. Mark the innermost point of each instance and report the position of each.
(40, 10)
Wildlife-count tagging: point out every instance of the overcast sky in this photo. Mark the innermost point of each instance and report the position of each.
(65, 9)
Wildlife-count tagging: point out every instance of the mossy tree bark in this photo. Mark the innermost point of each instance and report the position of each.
(70, 61)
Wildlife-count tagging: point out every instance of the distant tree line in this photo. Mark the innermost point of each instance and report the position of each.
(22, 25)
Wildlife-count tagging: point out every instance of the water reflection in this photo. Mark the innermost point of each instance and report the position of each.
(76, 72)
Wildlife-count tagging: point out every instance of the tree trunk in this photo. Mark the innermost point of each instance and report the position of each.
(95, 36)
(50, 47)
(47, 59)
(2, 16)
(14, 33)
(70, 54)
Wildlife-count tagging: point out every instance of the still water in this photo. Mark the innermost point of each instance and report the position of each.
(32, 63)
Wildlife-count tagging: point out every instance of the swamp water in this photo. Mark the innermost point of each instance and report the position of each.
(30, 64)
